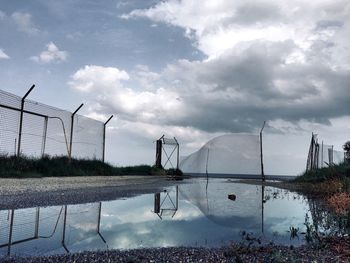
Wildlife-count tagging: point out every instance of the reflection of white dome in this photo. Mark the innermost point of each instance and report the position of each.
(226, 154)
(243, 213)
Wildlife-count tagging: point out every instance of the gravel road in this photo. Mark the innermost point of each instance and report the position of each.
(30, 192)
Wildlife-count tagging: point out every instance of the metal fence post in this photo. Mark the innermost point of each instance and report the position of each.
(21, 120)
(177, 154)
(71, 131)
(44, 137)
(104, 138)
(261, 153)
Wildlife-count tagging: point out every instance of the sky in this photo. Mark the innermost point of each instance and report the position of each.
(189, 69)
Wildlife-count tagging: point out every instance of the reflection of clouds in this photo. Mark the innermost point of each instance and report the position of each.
(215, 204)
(130, 223)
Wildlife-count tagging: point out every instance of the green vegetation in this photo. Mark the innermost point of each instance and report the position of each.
(22, 167)
(341, 172)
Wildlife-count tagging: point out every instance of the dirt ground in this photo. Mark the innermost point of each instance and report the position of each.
(30, 192)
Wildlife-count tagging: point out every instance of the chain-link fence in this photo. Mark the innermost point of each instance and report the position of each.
(34, 130)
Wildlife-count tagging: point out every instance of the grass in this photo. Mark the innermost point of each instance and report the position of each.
(24, 167)
(332, 179)
(340, 171)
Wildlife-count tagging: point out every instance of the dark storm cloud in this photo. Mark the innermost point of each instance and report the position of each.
(312, 91)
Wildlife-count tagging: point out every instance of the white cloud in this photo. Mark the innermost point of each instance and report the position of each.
(3, 55)
(217, 26)
(52, 54)
(24, 23)
(106, 84)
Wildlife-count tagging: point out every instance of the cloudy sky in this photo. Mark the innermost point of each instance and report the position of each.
(190, 69)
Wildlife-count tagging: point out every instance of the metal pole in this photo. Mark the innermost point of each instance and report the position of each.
(332, 161)
(104, 138)
(159, 153)
(44, 137)
(312, 152)
(321, 155)
(21, 120)
(178, 154)
(261, 153)
(71, 131)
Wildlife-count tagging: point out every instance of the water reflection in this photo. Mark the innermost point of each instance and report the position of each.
(43, 229)
(165, 204)
(196, 213)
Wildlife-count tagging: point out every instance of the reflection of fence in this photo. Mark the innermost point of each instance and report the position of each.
(40, 230)
(34, 129)
(166, 204)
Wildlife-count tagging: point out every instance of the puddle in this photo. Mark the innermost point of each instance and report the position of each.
(197, 213)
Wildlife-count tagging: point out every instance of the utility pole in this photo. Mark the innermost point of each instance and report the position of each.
(261, 154)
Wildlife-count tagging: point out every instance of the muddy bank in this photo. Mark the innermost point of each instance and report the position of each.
(46, 191)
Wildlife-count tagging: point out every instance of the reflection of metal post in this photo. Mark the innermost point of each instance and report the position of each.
(36, 232)
(44, 137)
(99, 223)
(10, 233)
(261, 153)
(71, 131)
(177, 198)
(21, 120)
(64, 229)
(262, 207)
(99, 217)
(157, 203)
(104, 138)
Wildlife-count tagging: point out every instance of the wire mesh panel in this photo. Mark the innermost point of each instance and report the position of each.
(87, 138)
(58, 127)
(9, 123)
(24, 224)
(226, 154)
(323, 157)
(35, 231)
(5, 218)
(46, 130)
(81, 222)
(57, 138)
(32, 135)
(9, 99)
(338, 157)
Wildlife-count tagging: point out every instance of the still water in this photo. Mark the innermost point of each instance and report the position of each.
(196, 212)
